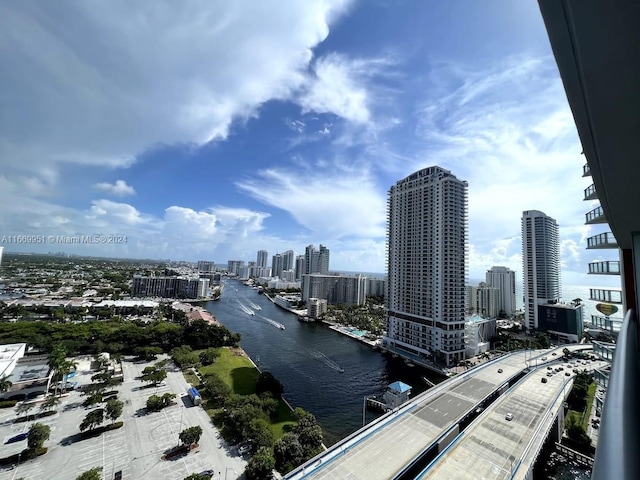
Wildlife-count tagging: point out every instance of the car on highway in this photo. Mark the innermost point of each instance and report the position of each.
(543, 380)
(499, 370)
(508, 417)
(18, 438)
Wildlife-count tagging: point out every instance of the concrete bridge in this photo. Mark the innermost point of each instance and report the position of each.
(489, 422)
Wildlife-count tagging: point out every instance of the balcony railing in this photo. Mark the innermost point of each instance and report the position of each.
(604, 295)
(609, 324)
(596, 216)
(586, 171)
(590, 192)
(605, 268)
(602, 240)
(619, 436)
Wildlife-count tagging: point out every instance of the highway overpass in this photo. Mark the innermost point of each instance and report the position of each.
(429, 433)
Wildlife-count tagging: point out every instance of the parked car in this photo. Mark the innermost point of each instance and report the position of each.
(508, 417)
(18, 438)
(208, 473)
(244, 447)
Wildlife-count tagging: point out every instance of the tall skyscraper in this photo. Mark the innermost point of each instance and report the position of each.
(299, 267)
(1, 250)
(261, 261)
(316, 261)
(288, 259)
(540, 263)
(277, 265)
(427, 246)
(504, 279)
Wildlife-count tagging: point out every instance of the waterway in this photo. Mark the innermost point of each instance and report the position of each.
(324, 372)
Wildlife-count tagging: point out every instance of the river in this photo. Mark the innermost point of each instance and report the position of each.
(324, 372)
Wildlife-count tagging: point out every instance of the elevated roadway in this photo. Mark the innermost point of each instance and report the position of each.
(401, 443)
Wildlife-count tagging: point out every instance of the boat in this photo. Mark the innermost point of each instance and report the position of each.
(341, 370)
(281, 327)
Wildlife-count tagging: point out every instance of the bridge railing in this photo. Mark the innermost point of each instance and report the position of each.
(617, 452)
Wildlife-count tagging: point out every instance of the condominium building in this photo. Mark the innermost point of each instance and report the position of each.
(277, 265)
(235, 267)
(540, 264)
(206, 266)
(288, 260)
(483, 301)
(316, 261)
(504, 279)
(427, 246)
(335, 289)
(1, 250)
(299, 268)
(169, 287)
(261, 260)
(316, 307)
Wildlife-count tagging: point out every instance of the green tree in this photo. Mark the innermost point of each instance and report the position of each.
(5, 383)
(113, 409)
(24, 408)
(93, 419)
(153, 374)
(288, 452)
(260, 433)
(93, 474)
(208, 356)
(38, 434)
(260, 466)
(190, 435)
(197, 476)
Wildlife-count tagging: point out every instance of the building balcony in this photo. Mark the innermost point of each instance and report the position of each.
(602, 240)
(595, 216)
(586, 171)
(605, 268)
(608, 324)
(605, 295)
(590, 192)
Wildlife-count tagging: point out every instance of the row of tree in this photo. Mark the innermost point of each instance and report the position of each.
(117, 336)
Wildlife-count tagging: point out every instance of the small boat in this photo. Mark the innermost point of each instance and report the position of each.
(341, 370)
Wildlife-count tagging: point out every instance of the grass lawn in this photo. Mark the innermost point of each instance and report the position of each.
(235, 370)
(591, 393)
(241, 376)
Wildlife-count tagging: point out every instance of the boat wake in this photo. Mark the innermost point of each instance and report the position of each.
(246, 309)
(273, 322)
(254, 306)
(326, 360)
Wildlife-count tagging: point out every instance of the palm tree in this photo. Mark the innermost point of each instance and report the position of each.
(5, 383)
(56, 358)
(50, 403)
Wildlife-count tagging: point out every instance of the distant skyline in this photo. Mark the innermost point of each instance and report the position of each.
(210, 130)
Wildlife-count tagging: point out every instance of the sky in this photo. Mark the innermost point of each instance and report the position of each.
(208, 130)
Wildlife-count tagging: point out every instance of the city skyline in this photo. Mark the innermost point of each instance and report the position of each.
(177, 150)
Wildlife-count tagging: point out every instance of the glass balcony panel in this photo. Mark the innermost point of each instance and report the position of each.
(590, 192)
(586, 171)
(602, 240)
(604, 295)
(595, 216)
(605, 268)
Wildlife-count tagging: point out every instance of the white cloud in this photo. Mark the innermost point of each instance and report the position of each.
(99, 83)
(333, 199)
(120, 188)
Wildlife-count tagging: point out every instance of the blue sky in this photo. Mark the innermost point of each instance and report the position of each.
(210, 130)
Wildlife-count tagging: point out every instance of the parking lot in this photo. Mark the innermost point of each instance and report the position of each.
(136, 449)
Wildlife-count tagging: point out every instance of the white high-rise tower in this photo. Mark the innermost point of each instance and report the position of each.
(427, 246)
(504, 279)
(540, 263)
